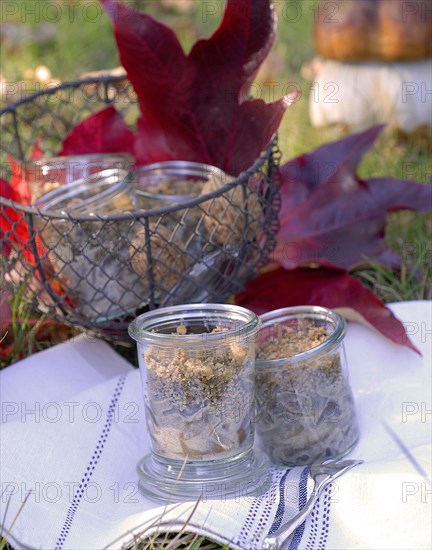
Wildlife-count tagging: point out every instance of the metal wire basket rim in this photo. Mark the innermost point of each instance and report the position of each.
(140, 214)
(106, 79)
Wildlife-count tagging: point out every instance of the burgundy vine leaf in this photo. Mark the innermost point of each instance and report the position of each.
(329, 287)
(329, 214)
(101, 132)
(195, 107)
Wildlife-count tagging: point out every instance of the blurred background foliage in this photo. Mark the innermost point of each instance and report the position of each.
(71, 38)
(66, 39)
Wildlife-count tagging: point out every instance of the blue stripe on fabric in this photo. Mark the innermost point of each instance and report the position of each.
(326, 516)
(298, 533)
(281, 506)
(70, 514)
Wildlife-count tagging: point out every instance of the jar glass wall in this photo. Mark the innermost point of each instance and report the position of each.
(305, 407)
(197, 368)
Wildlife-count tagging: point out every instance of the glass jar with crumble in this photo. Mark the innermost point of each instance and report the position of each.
(171, 181)
(305, 407)
(174, 182)
(88, 247)
(197, 368)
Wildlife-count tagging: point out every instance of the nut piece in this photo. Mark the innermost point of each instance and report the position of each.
(181, 329)
(169, 259)
(225, 216)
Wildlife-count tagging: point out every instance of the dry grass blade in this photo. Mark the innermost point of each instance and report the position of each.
(4, 545)
(174, 541)
(187, 541)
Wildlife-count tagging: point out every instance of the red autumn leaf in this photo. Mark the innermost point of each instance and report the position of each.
(21, 191)
(102, 132)
(13, 227)
(329, 287)
(14, 232)
(329, 214)
(37, 151)
(12, 224)
(191, 105)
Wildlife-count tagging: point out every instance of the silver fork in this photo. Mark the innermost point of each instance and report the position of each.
(322, 474)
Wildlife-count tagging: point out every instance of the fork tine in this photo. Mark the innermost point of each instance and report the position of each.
(340, 463)
(333, 466)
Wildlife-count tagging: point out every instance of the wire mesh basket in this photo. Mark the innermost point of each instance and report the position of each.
(98, 270)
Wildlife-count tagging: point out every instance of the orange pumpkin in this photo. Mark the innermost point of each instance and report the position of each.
(387, 30)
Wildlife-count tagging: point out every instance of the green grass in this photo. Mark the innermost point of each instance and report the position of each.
(84, 42)
(409, 235)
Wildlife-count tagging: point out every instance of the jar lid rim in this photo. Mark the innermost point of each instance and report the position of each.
(69, 158)
(196, 168)
(51, 200)
(207, 311)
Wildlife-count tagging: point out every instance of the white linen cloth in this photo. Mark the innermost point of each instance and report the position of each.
(73, 430)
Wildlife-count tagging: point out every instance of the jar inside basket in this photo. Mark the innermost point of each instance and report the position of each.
(89, 254)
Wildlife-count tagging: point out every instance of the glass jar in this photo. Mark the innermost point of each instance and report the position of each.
(170, 182)
(205, 266)
(305, 407)
(197, 369)
(46, 174)
(89, 254)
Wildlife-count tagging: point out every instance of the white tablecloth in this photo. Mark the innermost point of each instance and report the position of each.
(73, 430)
